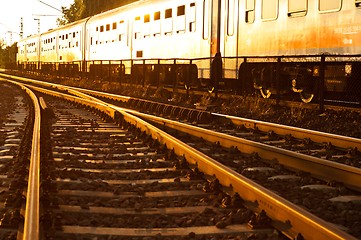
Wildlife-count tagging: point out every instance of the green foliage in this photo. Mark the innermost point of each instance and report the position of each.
(84, 8)
(73, 13)
(7, 55)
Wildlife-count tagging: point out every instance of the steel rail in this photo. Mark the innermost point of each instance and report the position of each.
(32, 214)
(289, 218)
(318, 167)
(68, 88)
(336, 140)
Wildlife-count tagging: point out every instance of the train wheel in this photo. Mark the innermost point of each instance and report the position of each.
(266, 93)
(210, 88)
(306, 97)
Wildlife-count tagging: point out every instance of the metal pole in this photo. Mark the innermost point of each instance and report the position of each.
(278, 85)
(38, 19)
(322, 84)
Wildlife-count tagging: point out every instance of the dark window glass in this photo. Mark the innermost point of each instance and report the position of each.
(181, 10)
(147, 18)
(156, 15)
(168, 13)
(250, 11)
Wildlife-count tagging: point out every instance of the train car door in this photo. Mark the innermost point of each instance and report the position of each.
(229, 38)
(215, 23)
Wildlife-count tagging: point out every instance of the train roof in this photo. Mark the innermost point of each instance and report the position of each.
(147, 4)
(125, 8)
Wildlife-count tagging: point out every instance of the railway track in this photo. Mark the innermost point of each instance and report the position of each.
(263, 202)
(16, 124)
(111, 180)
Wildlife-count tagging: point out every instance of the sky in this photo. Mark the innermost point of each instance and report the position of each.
(11, 12)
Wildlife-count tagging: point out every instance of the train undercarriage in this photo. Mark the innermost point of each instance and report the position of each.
(307, 79)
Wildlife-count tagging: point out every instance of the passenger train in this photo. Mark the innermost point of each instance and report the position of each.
(264, 44)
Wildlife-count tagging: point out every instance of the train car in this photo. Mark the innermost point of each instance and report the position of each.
(29, 50)
(48, 51)
(28, 53)
(158, 29)
(291, 28)
(71, 44)
(21, 54)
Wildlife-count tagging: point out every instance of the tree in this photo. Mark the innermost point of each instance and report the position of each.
(73, 13)
(2, 53)
(7, 55)
(84, 8)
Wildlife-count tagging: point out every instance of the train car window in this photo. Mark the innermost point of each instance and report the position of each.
(206, 15)
(269, 10)
(192, 17)
(231, 7)
(137, 28)
(250, 6)
(168, 22)
(101, 28)
(73, 34)
(168, 13)
(181, 10)
(122, 30)
(97, 29)
(181, 19)
(114, 26)
(108, 27)
(146, 26)
(146, 18)
(329, 5)
(156, 16)
(297, 8)
(358, 3)
(156, 24)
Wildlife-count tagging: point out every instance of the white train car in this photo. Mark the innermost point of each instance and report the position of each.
(21, 54)
(70, 42)
(28, 50)
(290, 28)
(149, 29)
(49, 46)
